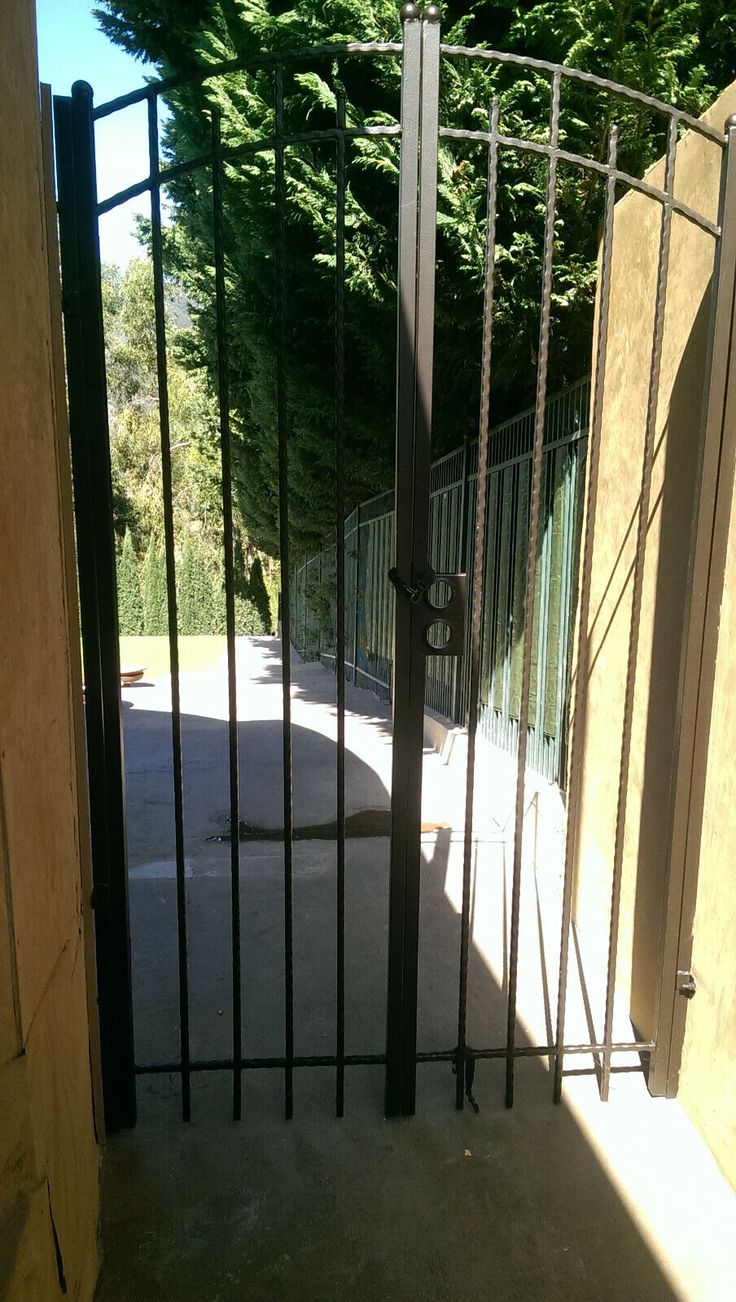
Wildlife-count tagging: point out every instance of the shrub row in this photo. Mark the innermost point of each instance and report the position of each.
(200, 594)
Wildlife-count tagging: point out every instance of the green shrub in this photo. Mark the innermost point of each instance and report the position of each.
(196, 591)
(130, 598)
(258, 594)
(155, 602)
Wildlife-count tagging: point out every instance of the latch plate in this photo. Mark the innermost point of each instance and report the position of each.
(426, 613)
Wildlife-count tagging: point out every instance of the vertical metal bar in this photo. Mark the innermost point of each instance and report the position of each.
(283, 458)
(340, 589)
(169, 544)
(477, 600)
(534, 503)
(636, 598)
(223, 395)
(569, 511)
(542, 621)
(463, 553)
(87, 389)
(404, 805)
(581, 659)
(707, 569)
(356, 587)
(71, 597)
(413, 450)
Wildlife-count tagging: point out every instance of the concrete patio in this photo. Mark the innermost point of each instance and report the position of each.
(582, 1201)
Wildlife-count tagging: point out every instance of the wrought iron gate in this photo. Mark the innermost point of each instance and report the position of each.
(421, 132)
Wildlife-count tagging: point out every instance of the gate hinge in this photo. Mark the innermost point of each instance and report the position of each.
(686, 984)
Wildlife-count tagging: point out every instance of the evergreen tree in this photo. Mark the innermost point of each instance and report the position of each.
(679, 50)
(196, 590)
(258, 595)
(130, 600)
(248, 619)
(155, 601)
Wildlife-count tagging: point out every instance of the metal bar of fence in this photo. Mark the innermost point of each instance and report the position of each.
(405, 777)
(283, 479)
(356, 586)
(169, 548)
(408, 836)
(477, 596)
(542, 623)
(581, 666)
(379, 1059)
(636, 599)
(531, 572)
(223, 396)
(340, 593)
(88, 427)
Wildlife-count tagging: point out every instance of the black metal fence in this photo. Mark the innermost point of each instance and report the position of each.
(369, 597)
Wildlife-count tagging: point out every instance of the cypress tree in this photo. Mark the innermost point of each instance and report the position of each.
(196, 591)
(130, 600)
(155, 603)
(258, 594)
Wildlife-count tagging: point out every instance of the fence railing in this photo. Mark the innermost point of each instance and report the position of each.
(369, 606)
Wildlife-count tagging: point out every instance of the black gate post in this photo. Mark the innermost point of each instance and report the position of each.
(417, 223)
(87, 388)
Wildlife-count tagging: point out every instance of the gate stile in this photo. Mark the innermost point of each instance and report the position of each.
(421, 133)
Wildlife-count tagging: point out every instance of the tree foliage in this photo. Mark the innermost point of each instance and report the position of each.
(155, 601)
(258, 595)
(130, 599)
(678, 50)
(195, 590)
(135, 437)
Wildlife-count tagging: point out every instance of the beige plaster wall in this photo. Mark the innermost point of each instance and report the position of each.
(48, 1151)
(708, 1076)
(634, 267)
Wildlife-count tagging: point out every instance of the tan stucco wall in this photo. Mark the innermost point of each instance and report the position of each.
(708, 1076)
(634, 265)
(48, 1152)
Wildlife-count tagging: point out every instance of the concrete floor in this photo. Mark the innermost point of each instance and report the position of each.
(583, 1201)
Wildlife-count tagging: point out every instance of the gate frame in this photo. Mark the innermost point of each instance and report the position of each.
(420, 133)
(90, 449)
(414, 367)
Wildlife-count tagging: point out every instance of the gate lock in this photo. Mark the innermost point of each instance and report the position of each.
(448, 619)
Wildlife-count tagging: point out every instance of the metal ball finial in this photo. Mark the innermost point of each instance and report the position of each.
(408, 11)
(432, 14)
(730, 122)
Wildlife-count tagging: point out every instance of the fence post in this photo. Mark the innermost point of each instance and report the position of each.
(87, 388)
(415, 344)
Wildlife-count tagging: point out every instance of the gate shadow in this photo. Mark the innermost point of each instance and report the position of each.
(500, 1204)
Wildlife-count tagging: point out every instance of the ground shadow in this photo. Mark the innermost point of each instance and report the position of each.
(495, 1205)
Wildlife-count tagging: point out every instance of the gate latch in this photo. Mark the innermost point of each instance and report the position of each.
(686, 984)
(450, 617)
(423, 584)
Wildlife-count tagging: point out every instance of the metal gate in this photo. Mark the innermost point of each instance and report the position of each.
(421, 131)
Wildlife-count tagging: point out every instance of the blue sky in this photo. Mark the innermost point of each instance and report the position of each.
(72, 48)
